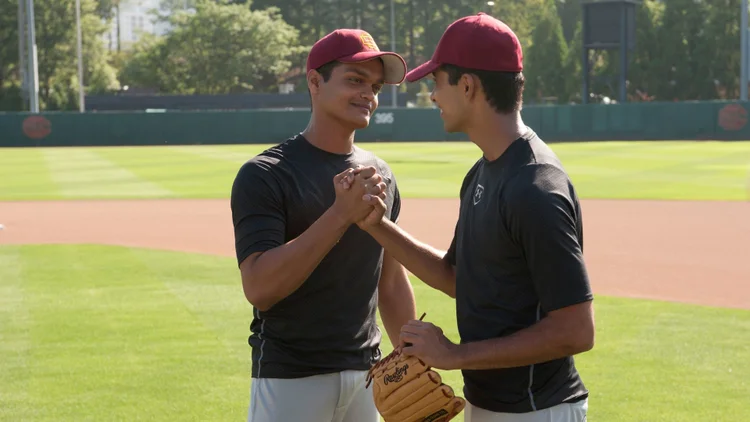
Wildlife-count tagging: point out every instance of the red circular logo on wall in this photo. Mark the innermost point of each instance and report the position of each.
(732, 117)
(36, 127)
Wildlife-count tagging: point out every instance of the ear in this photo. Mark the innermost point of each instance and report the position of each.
(314, 79)
(469, 86)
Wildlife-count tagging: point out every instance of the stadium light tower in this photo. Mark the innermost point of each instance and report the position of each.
(744, 53)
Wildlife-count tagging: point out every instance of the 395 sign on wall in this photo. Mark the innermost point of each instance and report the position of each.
(383, 118)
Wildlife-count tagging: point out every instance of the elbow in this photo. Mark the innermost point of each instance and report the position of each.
(581, 340)
(451, 291)
(261, 300)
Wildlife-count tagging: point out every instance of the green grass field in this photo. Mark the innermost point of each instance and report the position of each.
(131, 334)
(624, 170)
(107, 333)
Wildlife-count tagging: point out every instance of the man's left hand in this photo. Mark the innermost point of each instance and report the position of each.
(427, 342)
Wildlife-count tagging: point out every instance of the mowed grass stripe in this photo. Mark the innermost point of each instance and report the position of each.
(658, 361)
(24, 175)
(15, 326)
(219, 153)
(111, 342)
(656, 170)
(83, 173)
(618, 170)
(187, 174)
(214, 298)
(130, 334)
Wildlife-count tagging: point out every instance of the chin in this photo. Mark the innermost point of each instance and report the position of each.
(450, 128)
(360, 123)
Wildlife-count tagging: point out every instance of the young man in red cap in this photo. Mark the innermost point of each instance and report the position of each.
(515, 265)
(314, 278)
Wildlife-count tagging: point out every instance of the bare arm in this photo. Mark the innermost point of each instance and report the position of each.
(270, 276)
(395, 298)
(564, 332)
(426, 262)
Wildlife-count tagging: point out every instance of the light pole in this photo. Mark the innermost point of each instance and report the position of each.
(81, 104)
(33, 72)
(743, 53)
(394, 88)
(22, 69)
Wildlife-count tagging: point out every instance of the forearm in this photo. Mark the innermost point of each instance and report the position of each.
(422, 260)
(547, 340)
(397, 306)
(277, 273)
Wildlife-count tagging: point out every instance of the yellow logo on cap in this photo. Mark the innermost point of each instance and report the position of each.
(368, 42)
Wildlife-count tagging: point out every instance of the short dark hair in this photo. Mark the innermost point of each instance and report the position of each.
(504, 90)
(327, 69)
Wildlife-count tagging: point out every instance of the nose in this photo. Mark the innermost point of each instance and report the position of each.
(368, 94)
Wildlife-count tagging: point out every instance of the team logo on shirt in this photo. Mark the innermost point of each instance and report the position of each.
(478, 193)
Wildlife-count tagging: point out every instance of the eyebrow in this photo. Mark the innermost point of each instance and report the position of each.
(362, 73)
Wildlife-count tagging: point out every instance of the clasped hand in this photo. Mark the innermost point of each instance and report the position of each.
(360, 193)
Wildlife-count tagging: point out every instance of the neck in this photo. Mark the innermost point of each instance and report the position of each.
(329, 134)
(493, 133)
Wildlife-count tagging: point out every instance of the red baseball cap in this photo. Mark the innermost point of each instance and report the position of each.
(355, 46)
(476, 42)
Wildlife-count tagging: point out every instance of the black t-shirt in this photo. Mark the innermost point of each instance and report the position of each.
(329, 324)
(518, 255)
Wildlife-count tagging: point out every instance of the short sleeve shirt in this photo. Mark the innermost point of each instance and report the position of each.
(518, 253)
(328, 324)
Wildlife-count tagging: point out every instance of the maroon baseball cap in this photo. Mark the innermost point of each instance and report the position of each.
(355, 46)
(476, 42)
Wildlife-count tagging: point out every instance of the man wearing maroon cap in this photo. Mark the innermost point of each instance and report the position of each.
(515, 265)
(314, 278)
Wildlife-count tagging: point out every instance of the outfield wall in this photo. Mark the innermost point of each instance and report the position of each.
(642, 121)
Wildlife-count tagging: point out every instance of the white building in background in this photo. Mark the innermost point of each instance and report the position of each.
(136, 17)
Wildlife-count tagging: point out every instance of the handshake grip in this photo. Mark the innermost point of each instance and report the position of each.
(407, 390)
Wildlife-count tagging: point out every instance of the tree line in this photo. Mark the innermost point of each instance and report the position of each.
(685, 49)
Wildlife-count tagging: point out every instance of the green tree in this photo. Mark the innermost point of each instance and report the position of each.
(56, 44)
(56, 53)
(683, 62)
(643, 74)
(221, 48)
(10, 93)
(545, 60)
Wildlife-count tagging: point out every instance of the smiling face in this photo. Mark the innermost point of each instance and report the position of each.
(451, 100)
(351, 93)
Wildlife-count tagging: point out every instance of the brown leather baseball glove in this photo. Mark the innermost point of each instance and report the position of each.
(406, 390)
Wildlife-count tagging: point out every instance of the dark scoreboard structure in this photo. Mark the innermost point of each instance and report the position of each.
(608, 25)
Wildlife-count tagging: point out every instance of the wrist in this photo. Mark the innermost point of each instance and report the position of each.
(457, 357)
(371, 227)
(339, 217)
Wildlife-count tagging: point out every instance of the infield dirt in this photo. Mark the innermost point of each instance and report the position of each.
(693, 252)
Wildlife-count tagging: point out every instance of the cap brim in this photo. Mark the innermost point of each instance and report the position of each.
(421, 71)
(394, 66)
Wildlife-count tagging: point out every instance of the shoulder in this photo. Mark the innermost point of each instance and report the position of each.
(537, 170)
(264, 168)
(539, 184)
